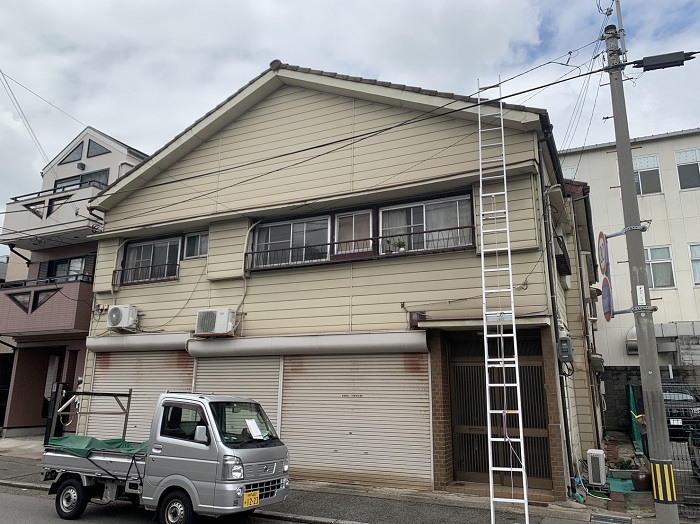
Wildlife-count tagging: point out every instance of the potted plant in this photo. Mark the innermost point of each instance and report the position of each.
(623, 469)
(400, 245)
(389, 244)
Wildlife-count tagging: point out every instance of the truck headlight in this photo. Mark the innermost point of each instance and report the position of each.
(285, 463)
(233, 468)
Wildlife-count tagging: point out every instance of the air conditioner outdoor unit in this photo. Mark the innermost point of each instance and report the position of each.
(124, 316)
(214, 322)
(596, 467)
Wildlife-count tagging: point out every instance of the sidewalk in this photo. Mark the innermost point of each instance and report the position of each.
(324, 503)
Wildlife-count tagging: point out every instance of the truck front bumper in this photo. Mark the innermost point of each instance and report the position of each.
(231, 497)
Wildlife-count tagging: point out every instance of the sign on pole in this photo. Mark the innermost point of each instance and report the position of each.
(607, 299)
(603, 261)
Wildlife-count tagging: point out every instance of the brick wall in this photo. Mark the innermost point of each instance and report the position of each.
(442, 417)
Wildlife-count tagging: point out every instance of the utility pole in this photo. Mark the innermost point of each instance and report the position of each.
(660, 456)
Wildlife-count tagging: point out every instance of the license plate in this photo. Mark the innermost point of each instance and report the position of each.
(252, 498)
(676, 422)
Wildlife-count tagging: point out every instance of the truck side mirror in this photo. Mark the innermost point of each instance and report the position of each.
(200, 434)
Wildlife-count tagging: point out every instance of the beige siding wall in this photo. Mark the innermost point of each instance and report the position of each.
(226, 249)
(107, 262)
(522, 210)
(241, 167)
(357, 296)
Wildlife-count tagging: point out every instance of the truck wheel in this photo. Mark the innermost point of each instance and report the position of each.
(71, 499)
(176, 508)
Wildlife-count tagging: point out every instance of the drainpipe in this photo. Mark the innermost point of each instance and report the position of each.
(20, 255)
(548, 138)
(13, 348)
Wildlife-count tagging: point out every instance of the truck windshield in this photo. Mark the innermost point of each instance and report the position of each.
(243, 424)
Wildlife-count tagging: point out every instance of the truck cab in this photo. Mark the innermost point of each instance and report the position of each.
(222, 450)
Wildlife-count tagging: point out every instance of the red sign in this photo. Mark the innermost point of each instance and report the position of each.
(607, 299)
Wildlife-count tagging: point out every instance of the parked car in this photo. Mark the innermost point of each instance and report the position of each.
(682, 409)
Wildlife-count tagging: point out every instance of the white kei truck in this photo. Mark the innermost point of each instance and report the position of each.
(207, 455)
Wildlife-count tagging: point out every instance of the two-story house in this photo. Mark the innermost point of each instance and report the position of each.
(667, 175)
(46, 301)
(324, 229)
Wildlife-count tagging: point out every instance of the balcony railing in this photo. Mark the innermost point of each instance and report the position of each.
(45, 281)
(145, 274)
(59, 190)
(400, 244)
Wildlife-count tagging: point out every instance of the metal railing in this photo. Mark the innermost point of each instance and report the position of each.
(398, 244)
(49, 281)
(145, 274)
(58, 190)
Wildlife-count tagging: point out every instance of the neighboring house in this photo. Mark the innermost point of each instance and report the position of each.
(46, 300)
(3, 267)
(667, 173)
(334, 218)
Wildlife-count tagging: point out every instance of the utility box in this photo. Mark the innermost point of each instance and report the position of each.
(564, 350)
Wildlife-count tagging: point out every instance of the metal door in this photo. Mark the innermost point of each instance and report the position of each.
(470, 446)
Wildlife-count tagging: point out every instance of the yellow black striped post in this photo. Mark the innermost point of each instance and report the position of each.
(662, 481)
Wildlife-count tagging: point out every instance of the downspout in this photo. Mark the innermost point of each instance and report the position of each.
(13, 348)
(549, 139)
(20, 255)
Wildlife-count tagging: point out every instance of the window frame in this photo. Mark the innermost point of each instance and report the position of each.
(168, 407)
(153, 241)
(648, 262)
(423, 203)
(199, 235)
(338, 216)
(291, 248)
(68, 277)
(696, 279)
(695, 162)
(637, 171)
(81, 180)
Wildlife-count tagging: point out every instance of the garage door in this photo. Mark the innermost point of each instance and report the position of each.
(358, 418)
(252, 377)
(148, 375)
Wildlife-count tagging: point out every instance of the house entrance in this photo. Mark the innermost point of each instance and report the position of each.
(467, 389)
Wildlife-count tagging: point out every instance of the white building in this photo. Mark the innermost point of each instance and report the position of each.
(667, 171)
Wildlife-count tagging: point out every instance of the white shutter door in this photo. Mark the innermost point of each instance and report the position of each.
(251, 377)
(358, 418)
(148, 374)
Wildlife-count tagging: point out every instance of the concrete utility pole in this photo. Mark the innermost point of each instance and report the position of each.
(660, 456)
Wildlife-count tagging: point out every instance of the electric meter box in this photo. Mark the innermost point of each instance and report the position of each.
(566, 353)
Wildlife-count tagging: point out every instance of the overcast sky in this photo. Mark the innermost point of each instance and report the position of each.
(143, 71)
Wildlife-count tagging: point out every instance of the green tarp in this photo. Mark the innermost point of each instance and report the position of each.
(83, 446)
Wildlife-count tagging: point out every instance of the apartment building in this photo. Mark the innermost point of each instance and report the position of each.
(312, 242)
(46, 299)
(667, 176)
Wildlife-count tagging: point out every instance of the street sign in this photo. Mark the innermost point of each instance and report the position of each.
(603, 254)
(607, 299)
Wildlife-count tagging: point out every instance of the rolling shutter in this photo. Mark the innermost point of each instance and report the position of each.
(358, 419)
(148, 374)
(252, 377)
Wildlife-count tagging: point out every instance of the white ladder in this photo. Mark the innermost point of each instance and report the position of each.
(506, 448)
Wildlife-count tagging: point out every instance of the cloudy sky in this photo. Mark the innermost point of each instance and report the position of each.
(143, 71)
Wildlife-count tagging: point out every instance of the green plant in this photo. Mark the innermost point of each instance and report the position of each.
(625, 464)
(398, 244)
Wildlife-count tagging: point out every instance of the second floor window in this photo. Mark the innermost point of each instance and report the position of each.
(659, 267)
(97, 179)
(196, 245)
(439, 224)
(150, 261)
(292, 242)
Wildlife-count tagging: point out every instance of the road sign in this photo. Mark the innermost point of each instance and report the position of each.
(607, 299)
(603, 255)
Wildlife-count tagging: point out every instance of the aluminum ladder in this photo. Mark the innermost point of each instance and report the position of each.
(506, 446)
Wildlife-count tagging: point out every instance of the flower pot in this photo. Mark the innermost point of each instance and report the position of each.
(641, 480)
(624, 474)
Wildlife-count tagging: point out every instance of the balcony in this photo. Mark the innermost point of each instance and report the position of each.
(46, 307)
(398, 245)
(52, 217)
